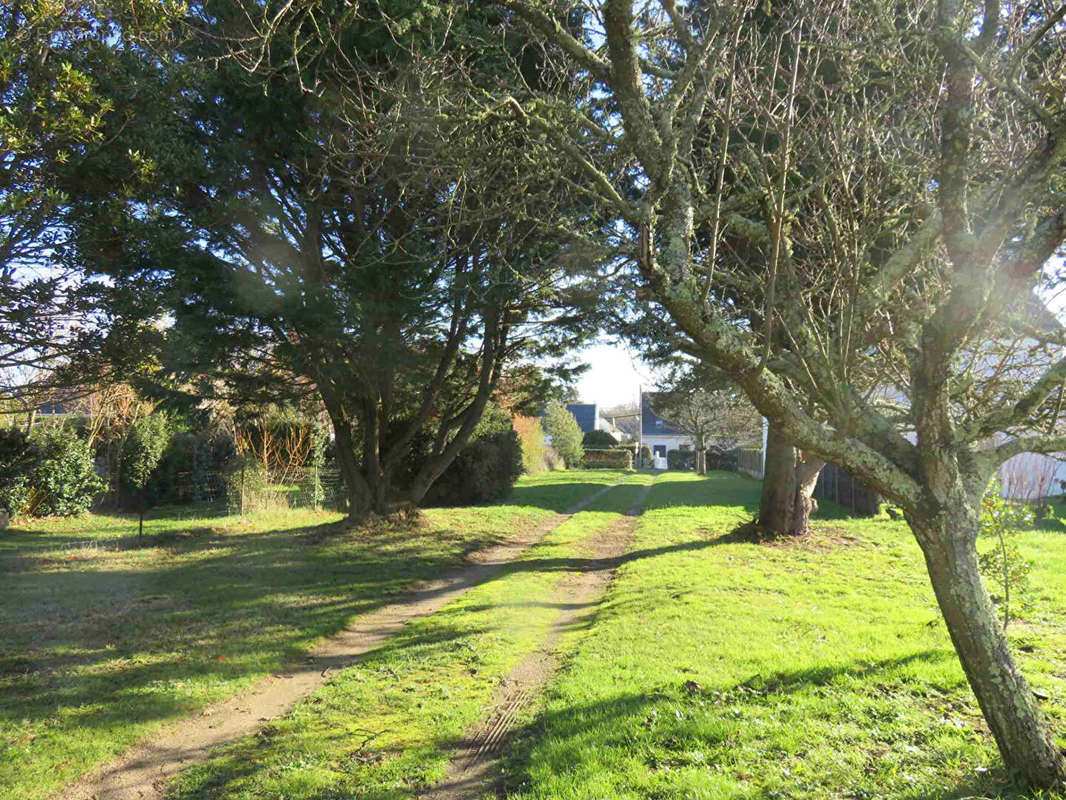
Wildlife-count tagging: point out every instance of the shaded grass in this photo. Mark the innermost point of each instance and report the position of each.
(386, 727)
(104, 636)
(814, 669)
(715, 668)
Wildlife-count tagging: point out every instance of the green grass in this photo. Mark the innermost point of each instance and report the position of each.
(820, 669)
(105, 637)
(384, 728)
(714, 668)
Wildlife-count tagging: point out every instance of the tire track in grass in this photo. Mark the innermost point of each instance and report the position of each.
(472, 770)
(143, 772)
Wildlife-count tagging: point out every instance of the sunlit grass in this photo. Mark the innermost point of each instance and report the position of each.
(104, 636)
(385, 728)
(817, 669)
(714, 668)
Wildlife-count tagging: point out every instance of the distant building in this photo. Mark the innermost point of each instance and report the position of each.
(1031, 476)
(658, 434)
(589, 418)
(53, 409)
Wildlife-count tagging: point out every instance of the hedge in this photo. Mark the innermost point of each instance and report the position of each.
(607, 459)
(681, 459)
(485, 469)
(598, 440)
(728, 461)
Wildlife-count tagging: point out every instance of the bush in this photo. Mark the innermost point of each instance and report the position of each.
(486, 469)
(193, 468)
(681, 459)
(534, 448)
(1004, 566)
(552, 459)
(249, 490)
(141, 452)
(64, 481)
(728, 460)
(645, 457)
(19, 457)
(598, 440)
(565, 433)
(607, 459)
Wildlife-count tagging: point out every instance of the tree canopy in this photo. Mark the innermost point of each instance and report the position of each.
(884, 183)
(328, 216)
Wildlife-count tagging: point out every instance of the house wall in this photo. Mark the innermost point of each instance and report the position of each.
(1031, 476)
(669, 442)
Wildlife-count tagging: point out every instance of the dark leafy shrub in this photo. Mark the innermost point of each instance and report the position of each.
(681, 459)
(728, 460)
(193, 468)
(598, 440)
(64, 481)
(142, 450)
(607, 459)
(486, 469)
(645, 457)
(19, 457)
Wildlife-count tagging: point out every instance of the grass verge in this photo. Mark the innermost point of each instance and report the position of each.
(386, 727)
(103, 637)
(815, 669)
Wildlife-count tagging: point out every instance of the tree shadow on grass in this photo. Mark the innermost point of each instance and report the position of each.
(662, 727)
(121, 638)
(444, 638)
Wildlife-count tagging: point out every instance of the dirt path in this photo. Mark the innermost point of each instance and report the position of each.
(143, 772)
(472, 772)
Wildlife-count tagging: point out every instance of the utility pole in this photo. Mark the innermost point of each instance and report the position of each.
(640, 424)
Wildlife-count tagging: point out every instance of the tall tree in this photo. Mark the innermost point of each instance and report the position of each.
(562, 429)
(328, 218)
(895, 197)
(58, 61)
(703, 403)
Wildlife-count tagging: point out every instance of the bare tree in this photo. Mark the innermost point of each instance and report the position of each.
(708, 407)
(886, 180)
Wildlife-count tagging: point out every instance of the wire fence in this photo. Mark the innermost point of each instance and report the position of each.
(245, 490)
(836, 484)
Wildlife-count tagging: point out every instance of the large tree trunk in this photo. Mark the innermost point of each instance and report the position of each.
(356, 488)
(778, 485)
(787, 500)
(805, 479)
(1009, 706)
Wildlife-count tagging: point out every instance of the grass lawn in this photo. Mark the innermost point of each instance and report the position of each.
(722, 669)
(714, 668)
(384, 728)
(103, 637)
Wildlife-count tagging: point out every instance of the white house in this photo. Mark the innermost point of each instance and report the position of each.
(656, 433)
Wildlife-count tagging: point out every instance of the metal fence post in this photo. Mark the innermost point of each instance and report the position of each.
(316, 487)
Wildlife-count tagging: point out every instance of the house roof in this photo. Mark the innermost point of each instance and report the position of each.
(652, 424)
(586, 415)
